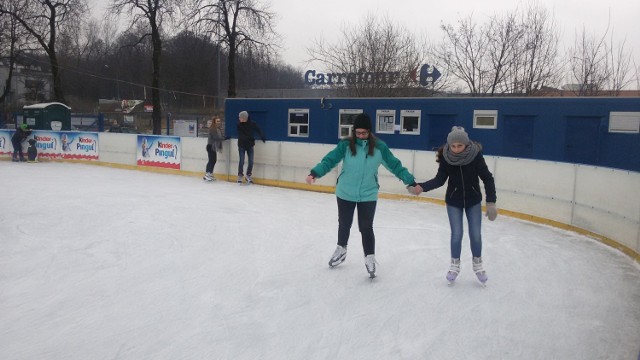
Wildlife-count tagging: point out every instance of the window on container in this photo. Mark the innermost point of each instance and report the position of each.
(299, 122)
(346, 119)
(410, 122)
(624, 122)
(385, 121)
(485, 119)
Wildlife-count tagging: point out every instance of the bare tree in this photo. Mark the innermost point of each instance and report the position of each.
(374, 58)
(43, 19)
(241, 25)
(620, 61)
(597, 67)
(513, 53)
(464, 55)
(151, 14)
(538, 51)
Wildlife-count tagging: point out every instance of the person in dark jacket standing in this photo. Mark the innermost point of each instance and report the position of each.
(246, 142)
(361, 155)
(461, 162)
(21, 134)
(214, 146)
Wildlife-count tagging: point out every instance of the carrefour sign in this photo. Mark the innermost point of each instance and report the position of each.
(427, 75)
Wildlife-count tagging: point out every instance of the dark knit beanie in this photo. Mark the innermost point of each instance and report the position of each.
(362, 122)
(458, 135)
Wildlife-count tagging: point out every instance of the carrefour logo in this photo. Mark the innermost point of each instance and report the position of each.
(427, 75)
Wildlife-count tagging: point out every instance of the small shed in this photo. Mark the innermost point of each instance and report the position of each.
(47, 116)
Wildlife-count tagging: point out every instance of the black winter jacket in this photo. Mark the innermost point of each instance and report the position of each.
(245, 134)
(463, 188)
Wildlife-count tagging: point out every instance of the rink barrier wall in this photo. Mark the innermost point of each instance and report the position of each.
(602, 203)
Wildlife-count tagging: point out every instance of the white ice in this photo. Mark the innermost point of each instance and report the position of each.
(104, 263)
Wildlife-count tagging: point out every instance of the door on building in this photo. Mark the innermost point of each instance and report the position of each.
(518, 136)
(582, 140)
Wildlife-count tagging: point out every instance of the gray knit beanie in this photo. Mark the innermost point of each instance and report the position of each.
(243, 115)
(458, 135)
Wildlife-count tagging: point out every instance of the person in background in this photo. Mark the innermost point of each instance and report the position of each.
(357, 188)
(21, 134)
(462, 163)
(214, 146)
(246, 143)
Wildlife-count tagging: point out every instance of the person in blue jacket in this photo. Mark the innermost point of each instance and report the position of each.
(462, 163)
(361, 155)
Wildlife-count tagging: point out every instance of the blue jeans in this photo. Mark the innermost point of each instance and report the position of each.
(241, 152)
(474, 219)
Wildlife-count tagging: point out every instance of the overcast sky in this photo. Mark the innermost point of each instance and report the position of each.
(300, 22)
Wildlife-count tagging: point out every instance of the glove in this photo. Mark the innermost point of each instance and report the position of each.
(264, 140)
(208, 147)
(414, 190)
(492, 211)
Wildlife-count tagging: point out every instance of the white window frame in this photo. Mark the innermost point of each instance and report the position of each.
(344, 130)
(485, 114)
(297, 126)
(410, 113)
(383, 126)
(624, 122)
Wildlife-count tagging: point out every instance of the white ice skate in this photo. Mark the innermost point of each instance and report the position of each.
(338, 256)
(479, 270)
(454, 270)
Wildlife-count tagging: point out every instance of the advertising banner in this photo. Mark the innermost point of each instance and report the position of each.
(6, 148)
(158, 151)
(55, 144)
(79, 145)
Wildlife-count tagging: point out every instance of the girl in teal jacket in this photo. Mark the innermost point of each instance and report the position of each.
(357, 186)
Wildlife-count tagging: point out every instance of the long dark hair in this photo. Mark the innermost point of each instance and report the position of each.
(373, 141)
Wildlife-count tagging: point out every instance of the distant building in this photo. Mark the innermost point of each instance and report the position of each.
(29, 85)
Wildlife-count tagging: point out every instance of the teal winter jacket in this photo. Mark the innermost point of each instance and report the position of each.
(358, 179)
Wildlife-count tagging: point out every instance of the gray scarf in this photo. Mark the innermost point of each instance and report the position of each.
(465, 157)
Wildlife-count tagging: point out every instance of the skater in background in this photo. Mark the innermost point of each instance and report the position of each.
(214, 146)
(246, 142)
(462, 163)
(32, 151)
(361, 155)
(21, 134)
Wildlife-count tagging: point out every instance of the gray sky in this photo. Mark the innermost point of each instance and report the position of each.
(301, 22)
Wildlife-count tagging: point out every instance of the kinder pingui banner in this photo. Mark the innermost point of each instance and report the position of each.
(55, 144)
(158, 151)
(79, 145)
(47, 143)
(6, 148)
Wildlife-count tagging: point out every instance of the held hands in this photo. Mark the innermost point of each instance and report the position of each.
(492, 211)
(415, 190)
(310, 179)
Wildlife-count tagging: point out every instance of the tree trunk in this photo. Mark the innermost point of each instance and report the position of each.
(156, 116)
(231, 69)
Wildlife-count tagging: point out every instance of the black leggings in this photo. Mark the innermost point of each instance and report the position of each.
(366, 212)
(213, 157)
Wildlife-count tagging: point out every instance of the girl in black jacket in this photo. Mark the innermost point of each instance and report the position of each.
(462, 163)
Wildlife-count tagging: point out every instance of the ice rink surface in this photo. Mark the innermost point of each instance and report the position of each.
(104, 263)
